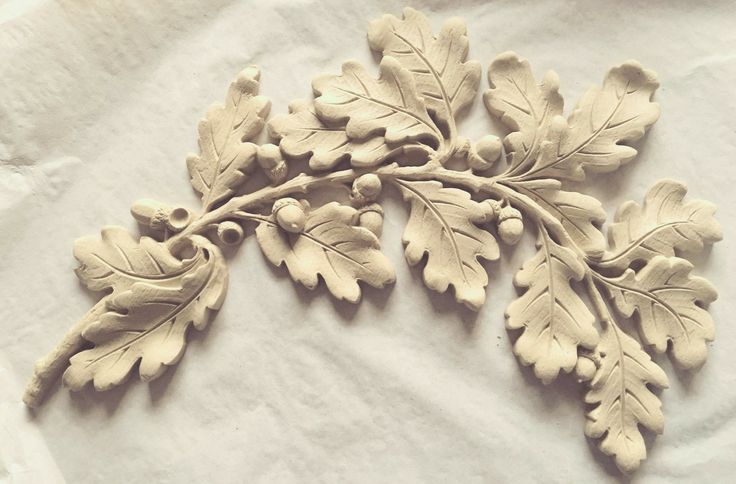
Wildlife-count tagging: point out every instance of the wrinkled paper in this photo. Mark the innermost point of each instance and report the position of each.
(99, 103)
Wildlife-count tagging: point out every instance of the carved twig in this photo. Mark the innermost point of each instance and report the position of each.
(49, 368)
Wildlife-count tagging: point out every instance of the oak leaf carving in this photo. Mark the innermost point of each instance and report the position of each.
(669, 304)
(447, 82)
(522, 105)
(623, 401)
(443, 224)
(664, 223)
(116, 260)
(603, 123)
(303, 134)
(400, 128)
(148, 315)
(389, 106)
(579, 214)
(330, 247)
(225, 156)
(554, 319)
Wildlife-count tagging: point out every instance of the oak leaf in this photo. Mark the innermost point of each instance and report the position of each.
(663, 224)
(147, 321)
(603, 123)
(303, 134)
(116, 260)
(554, 319)
(330, 247)
(579, 214)
(389, 106)
(523, 106)
(669, 304)
(619, 390)
(444, 78)
(225, 155)
(443, 224)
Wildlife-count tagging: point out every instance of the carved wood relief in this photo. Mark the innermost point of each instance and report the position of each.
(398, 129)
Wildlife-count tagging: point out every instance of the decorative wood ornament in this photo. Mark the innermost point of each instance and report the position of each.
(399, 129)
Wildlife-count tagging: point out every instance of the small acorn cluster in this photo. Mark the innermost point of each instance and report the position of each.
(159, 217)
(291, 214)
(365, 192)
(508, 220)
(274, 166)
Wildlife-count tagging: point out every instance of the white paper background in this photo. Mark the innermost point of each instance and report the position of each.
(98, 107)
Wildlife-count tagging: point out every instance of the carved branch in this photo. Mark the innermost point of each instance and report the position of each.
(400, 128)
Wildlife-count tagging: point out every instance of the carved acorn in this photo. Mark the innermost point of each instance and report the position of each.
(157, 216)
(510, 225)
(585, 368)
(491, 208)
(272, 162)
(371, 217)
(230, 233)
(290, 215)
(366, 189)
(484, 153)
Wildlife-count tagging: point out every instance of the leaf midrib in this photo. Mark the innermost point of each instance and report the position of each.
(180, 308)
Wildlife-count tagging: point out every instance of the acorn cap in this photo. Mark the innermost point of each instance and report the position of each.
(508, 212)
(290, 215)
(370, 217)
(283, 202)
(371, 207)
(178, 218)
(146, 209)
(157, 215)
(230, 233)
(491, 208)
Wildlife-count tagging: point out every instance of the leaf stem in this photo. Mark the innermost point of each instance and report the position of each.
(48, 369)
(595, 296)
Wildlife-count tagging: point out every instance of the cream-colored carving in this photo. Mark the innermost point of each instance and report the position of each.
(443, 224)
(554, 318)
(329, 245)
(580, 215)
(155, 297)
(663, 224)
(524, 107)
(668, 302)
(363, 132)
(444, 79)
(619, 390)
(225, 158)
